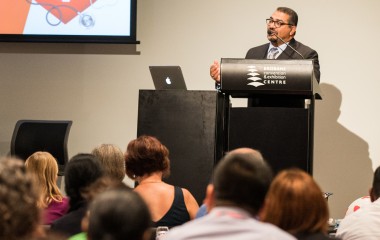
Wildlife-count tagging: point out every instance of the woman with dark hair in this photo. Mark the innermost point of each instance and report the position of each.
(147, 162)
(44, 169)
(81, 171)
(295, 203)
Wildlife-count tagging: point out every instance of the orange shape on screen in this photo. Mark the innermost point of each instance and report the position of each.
(65, 10)
(13, 16)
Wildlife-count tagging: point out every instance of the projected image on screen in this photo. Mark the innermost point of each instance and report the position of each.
(68, 17)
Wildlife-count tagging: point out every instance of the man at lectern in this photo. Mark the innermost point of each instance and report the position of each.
(281, 29)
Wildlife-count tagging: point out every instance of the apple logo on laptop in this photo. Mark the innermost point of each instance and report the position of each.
(168, 81)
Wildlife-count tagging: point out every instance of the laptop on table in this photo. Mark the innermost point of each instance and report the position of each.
(167, 77)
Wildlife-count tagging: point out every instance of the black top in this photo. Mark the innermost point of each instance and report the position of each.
(177, 213)
(314, 236)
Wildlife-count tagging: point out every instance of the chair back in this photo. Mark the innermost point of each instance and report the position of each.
(30, 136)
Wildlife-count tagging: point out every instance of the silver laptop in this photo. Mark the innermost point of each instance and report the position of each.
(167, 77)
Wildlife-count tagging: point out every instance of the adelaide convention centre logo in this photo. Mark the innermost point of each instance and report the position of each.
(270, 75)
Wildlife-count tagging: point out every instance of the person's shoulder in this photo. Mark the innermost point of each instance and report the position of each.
(258, 51)
(265, 45)
(185, 230)
(186, 192)
(303, 47)
(273, 232)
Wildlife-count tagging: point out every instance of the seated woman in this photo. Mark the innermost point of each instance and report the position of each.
(295, 204)
(44, 168)
(81, 171)
(19, 214)
(147, 162)
(111, 158)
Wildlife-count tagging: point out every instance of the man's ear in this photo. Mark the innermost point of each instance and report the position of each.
(293, 31)
(210, 197)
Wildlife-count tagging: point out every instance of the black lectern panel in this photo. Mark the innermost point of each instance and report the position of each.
(281, 135)
(185, 122)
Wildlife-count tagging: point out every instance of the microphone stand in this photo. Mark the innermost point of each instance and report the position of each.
(282, 40)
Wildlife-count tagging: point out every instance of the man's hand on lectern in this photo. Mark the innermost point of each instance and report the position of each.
(215, 71)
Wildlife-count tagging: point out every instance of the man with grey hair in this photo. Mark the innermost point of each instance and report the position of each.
(240, 182)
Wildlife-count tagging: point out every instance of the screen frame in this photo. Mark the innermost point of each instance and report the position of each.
(45, 38)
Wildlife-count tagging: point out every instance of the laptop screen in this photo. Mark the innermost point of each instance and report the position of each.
(167, 77)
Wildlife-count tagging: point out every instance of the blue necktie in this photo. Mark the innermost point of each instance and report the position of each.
(272, 54)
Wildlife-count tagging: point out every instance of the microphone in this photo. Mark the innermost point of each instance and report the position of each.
(282, 40)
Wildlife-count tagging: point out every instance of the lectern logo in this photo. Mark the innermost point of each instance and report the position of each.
(271, 75)
(252, 72)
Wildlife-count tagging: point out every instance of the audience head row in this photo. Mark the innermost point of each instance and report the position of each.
(293, 201)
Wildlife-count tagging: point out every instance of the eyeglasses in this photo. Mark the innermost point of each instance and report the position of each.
(277, 23)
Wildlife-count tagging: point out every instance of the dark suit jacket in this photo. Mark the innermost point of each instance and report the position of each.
(260, 52)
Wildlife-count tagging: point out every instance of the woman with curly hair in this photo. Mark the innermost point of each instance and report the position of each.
(44, 168)
(19, 214)
(147, 162)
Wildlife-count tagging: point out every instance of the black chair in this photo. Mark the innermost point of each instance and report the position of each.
(30, 136)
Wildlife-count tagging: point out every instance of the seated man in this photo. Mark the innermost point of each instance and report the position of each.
(365, 222)
(240, 183)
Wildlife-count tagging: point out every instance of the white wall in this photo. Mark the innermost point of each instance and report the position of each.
(97, 86)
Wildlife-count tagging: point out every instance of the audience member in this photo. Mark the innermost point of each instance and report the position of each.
(147, 162)
(357, 204)
(112, 160)
(365, 222)
(44, 168)
(101, 185)
(295, 203)
(202, 211)
(20, 217)
(235, 197)
(81, 171)
(119, 215)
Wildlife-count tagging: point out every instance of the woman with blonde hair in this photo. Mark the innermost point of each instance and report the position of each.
(295, 203)
(44, 168)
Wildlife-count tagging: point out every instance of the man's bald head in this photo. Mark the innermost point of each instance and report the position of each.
(242, 179)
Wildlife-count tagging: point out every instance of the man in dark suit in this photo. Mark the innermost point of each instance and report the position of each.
(281, 29)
